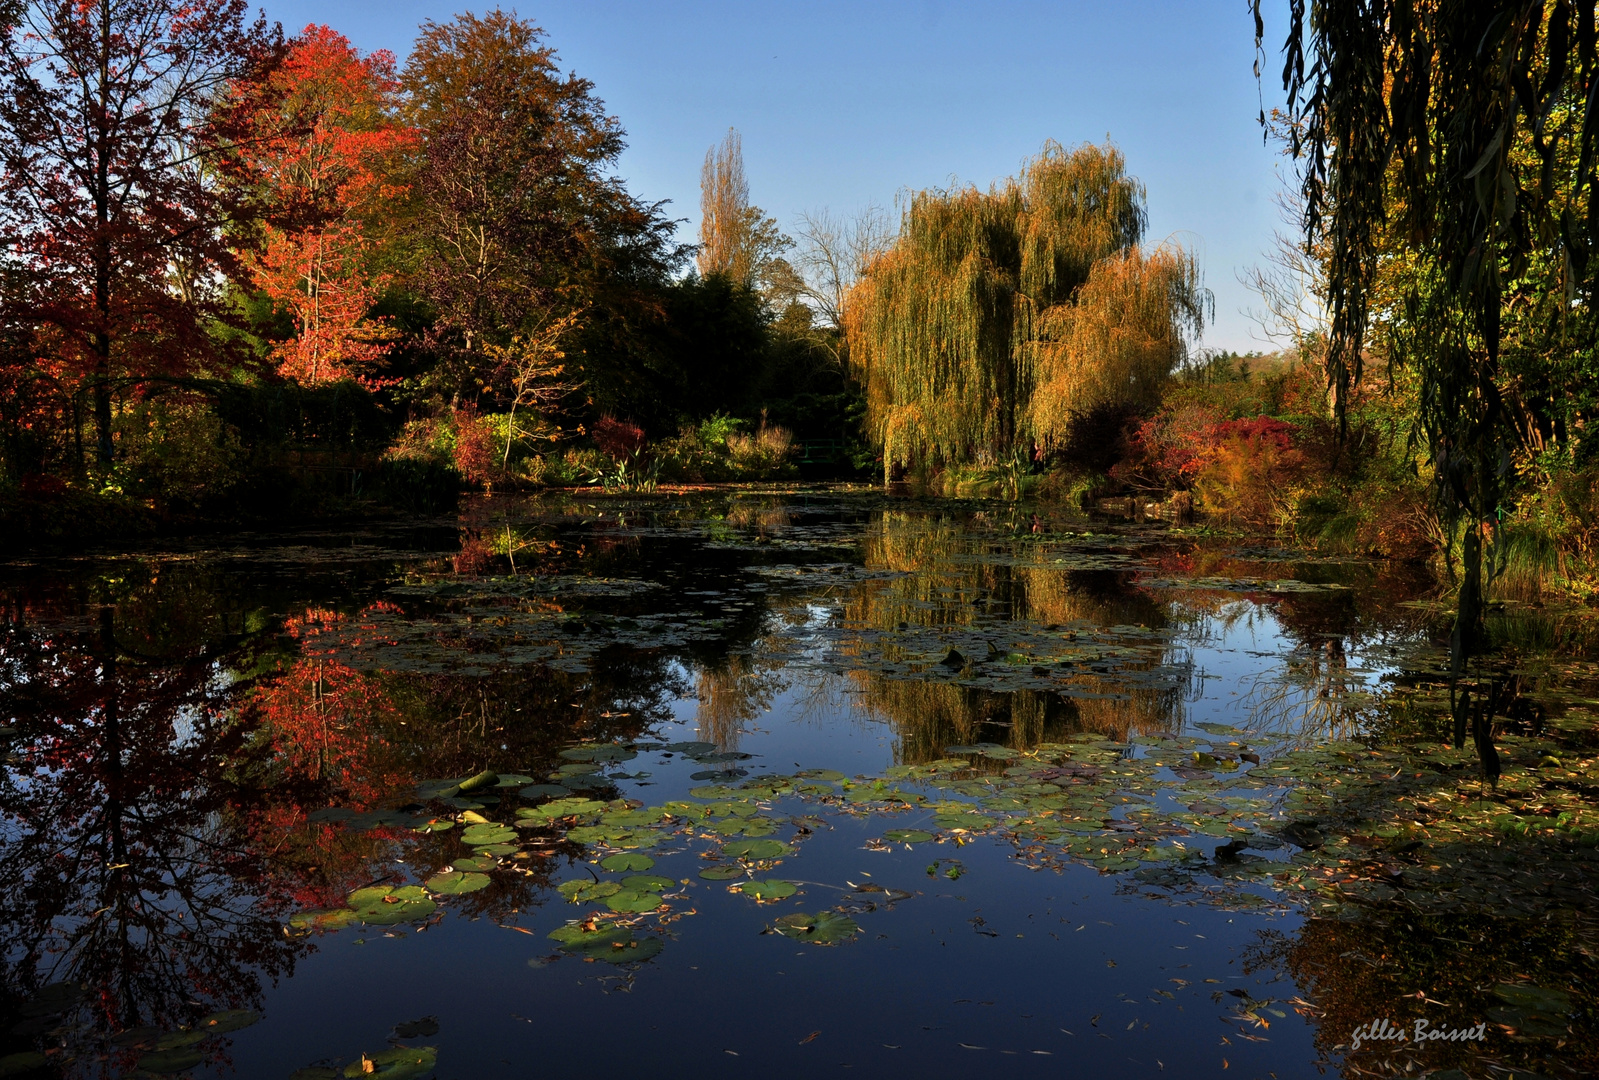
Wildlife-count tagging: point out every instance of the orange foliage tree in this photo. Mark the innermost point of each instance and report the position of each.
(316, 142)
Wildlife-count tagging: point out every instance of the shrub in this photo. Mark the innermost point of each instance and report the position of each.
(1096, 438)
(618, 439)
(762, 453)
(460, 438)
(176, 453)
(1245, 470)
(717, 430)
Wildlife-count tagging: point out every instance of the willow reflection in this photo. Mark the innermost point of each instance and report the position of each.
(949, 584)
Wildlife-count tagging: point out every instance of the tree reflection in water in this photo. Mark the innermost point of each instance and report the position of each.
(175, 758)
(939, 590)
(130, 851)
(166, 758)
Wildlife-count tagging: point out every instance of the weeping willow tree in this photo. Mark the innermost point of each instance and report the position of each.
(1127, 331)
(950, 330)
(1458, 142)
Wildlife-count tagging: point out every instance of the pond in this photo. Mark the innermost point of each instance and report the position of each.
(782, 782)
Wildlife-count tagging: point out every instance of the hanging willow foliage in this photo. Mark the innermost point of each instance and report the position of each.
(948, 330)
(1458, 139)
(1121, 339)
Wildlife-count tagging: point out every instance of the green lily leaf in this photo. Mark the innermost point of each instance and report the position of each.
(769, 890)
(754, 849)
(456, 882)
(627, 861)
(823, 928)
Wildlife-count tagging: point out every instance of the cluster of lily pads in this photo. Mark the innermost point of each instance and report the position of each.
(1245, 816)
(159, 1052)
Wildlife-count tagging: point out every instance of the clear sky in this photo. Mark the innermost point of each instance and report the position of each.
(841, 104)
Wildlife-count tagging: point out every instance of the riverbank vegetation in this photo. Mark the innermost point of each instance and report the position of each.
(337, 284)
(290, 278)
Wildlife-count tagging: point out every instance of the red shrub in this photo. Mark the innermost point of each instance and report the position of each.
(474, 454)
(1236, 468)
(618, 438)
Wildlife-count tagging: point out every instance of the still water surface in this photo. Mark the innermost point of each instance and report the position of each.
(997, 762)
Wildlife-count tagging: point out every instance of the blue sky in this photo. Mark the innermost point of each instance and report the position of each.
(841, 104)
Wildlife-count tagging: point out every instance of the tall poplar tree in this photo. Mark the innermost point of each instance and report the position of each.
(737, 239)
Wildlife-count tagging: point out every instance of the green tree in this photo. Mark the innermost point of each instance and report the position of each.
(516, 216)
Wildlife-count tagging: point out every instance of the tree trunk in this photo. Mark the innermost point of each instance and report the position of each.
(102, 246)
(1463, 639)
(102, 395)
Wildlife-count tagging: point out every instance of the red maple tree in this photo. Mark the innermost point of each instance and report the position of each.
(315, 141)
(107, 204)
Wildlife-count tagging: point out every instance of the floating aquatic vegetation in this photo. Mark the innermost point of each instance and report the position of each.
(611, 944)
(822, 928)
(768, 890)
(395, 1063)
(1243, 584)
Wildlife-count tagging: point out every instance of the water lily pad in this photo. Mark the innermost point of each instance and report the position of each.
(1533, 997)
(627, 861)
(745, 827)
(635, 951)
(722, 872)
(372, 894)
(456, 882)
(647, 882)
(769, 890)
(609, 944)
(385, 906)
(690, 748)
(823, 928)
(583, 890)
(633, 900)
(830, 775)
(494, 851)
(970, 822)
(754, 849)
(478, 863)
(482, 780)
(171, 1061)
(601, 752)
(908, 836)
(539, 791)
(417, 1029)
(714, 791)
(436, 825)
(219, 1023)
(571, 806)
(491, 833)
(336, 919)
(396, 1063)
